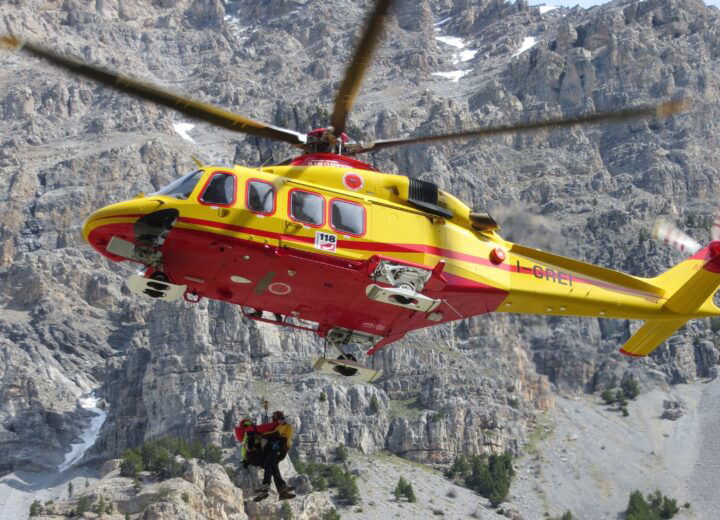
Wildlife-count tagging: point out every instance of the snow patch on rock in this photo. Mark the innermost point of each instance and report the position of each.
(183, 129)
(454, 75)
(451, 40)
(545, 8)
(89, 436)
(527, 44)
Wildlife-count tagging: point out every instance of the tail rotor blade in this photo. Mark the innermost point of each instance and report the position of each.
(669, 234)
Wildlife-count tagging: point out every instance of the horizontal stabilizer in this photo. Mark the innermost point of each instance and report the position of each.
(650, 336)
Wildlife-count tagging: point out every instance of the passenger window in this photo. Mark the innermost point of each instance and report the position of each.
(307, 207)
(347, 217)
(220, 190)
(261, 197)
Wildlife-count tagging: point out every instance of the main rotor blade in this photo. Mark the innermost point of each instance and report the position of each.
(663, 110)
(189, 107)
(355, 72)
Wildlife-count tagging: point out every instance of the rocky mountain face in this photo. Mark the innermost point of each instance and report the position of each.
(68, 326)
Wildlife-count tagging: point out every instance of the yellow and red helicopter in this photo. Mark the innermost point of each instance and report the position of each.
(326, 243)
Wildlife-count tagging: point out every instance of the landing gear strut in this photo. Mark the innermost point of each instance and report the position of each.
(346, 364)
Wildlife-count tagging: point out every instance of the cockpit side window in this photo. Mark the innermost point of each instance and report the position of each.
(181, 188)
(219, 190)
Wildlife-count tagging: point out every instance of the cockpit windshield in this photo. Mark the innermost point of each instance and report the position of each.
(181, 188)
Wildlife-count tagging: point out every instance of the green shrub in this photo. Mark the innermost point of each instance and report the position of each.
(460, 468)
(331, 514)
(36, 508)
(323, 476)
(608, 396)
(99, 506)
(159, 457)
(322, 397)
(341, 453)
(348, 490)
(212, 453)
(319, 483)
(630, 387)
(136, 485)
(83, 506)
(130, 466)
(404, 489)
(656, 507)
(567, 515)
(164, 493)
(491, 476)
(620, 398)
(185, 497)
(285, 512)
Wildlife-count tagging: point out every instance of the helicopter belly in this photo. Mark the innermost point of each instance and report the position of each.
(304, 286)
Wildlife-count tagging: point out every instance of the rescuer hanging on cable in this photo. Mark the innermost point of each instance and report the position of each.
(265, 445)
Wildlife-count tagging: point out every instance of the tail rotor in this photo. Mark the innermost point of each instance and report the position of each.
(672, 236)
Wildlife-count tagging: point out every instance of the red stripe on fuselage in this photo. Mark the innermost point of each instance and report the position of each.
(384, 247)
(625, 352)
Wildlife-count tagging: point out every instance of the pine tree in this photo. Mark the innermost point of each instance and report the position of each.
(460, 467)
(348, 490)
(400, 488)
(410, 493)
(608, 396)
(36, 508)
(341, 452)
(630, 387)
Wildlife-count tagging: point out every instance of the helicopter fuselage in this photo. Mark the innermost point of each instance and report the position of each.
(326, 244)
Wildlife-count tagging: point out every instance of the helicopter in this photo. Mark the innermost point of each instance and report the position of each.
(326, 243)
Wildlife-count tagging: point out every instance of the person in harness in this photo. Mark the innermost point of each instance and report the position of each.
(265, 445)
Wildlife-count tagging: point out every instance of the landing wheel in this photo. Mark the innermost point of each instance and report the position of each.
(346, 371)
(158, 286)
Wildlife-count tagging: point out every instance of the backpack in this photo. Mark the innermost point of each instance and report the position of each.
(251, 451)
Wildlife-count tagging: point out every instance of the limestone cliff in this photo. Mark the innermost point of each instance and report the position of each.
(68, 325)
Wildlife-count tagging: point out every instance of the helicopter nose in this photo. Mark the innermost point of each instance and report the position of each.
(121, 213)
